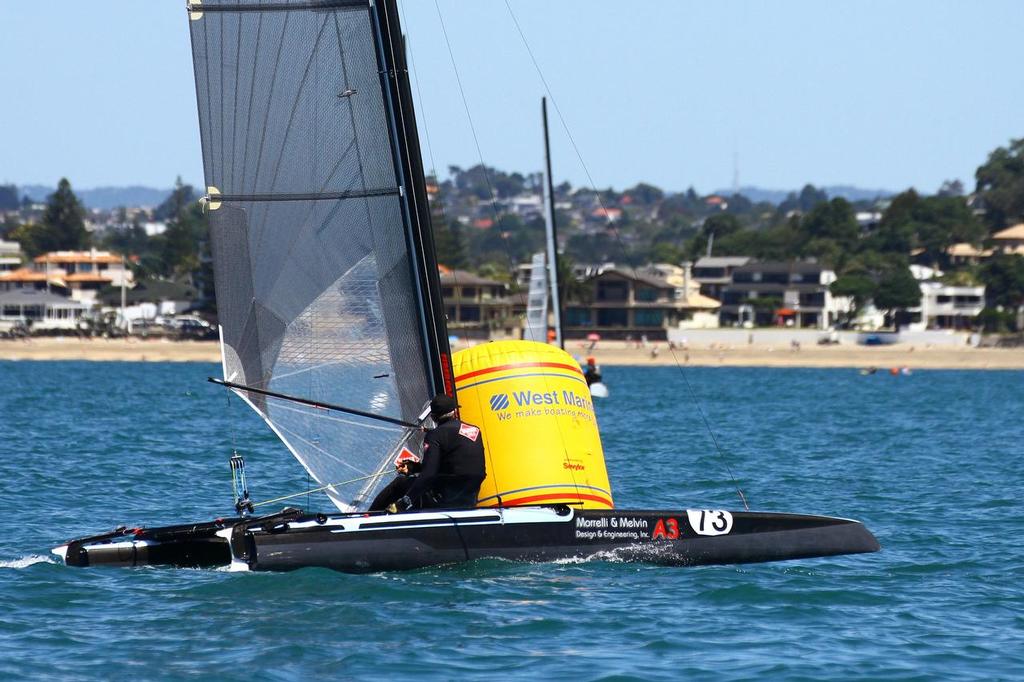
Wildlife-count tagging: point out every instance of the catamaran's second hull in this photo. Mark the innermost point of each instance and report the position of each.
(368, 543)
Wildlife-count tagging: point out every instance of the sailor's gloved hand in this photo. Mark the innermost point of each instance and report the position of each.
(403, 503)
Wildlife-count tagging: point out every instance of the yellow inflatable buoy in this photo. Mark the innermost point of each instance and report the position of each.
(540, 432)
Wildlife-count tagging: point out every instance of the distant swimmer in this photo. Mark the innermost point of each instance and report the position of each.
(592, 372)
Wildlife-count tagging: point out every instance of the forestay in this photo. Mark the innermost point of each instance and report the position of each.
(317, 288)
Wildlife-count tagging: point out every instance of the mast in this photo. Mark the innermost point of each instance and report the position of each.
(549, 222)
(409, 161)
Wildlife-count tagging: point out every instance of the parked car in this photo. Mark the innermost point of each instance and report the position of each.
(195, 328)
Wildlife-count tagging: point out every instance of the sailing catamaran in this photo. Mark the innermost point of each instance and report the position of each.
(332, 329)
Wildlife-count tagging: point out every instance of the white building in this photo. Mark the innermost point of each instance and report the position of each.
(40, 310)
(945, 306)
(10, 256)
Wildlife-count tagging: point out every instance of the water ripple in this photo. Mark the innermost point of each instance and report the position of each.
(924, 460)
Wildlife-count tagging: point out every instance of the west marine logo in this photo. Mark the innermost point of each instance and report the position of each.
(499, 401)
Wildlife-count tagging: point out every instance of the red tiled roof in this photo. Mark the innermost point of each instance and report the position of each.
(24, 275)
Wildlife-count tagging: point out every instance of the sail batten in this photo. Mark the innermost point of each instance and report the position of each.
(317, 273)
(308, 196)
(277, 6)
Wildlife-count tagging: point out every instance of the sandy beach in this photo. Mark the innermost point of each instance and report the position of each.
(606, 353)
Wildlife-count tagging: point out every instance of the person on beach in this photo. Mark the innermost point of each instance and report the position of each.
(407, 466)
(453, 461)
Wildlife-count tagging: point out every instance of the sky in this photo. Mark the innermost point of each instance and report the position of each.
(880, 94)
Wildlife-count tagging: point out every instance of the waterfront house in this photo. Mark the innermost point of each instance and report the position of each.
(793, 294)
(1010, 240)
(32, 280)
(967, 254)
(10, 256)
(945, 306)
(39, 310)
(623, 304)
(476, 307)
(84, 273)
(714, 273)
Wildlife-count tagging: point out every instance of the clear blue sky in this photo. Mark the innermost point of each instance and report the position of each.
(874, 93)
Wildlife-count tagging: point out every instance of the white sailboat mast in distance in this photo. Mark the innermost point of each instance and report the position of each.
(549, 225)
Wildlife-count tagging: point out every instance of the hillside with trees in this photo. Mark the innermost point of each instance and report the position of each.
(489, 221)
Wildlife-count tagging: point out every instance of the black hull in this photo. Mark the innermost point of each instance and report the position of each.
(369, 543)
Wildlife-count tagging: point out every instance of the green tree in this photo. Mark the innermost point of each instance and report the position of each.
(832, 220)
(666, 252)
(176, 202)
(858, 286)
(62, 226)
(570, 288)
(1000, 182)
(941, 221)
(645, 194)
(716, 227)
(897, 290)
(596, 248)
(181, 245)
(1003, 276)
(809, 197)
(449, 243)
(31, 238)
(63, 223)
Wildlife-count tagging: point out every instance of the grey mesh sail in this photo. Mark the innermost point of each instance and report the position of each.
(315, 278)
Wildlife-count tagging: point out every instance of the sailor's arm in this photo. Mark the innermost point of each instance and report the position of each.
(431, 464)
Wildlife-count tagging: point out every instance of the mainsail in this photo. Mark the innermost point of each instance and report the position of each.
(323, 260)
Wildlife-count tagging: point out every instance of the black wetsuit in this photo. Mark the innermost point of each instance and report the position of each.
(592, 374)
(393, 492)
(453, 466)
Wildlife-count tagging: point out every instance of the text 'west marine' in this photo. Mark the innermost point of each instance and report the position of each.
(524, 398)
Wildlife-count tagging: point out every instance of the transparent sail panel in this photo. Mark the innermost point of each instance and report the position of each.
(537, 301)
(315, 286)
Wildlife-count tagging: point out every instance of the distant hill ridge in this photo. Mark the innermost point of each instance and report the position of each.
(777, 196)
(106, 198)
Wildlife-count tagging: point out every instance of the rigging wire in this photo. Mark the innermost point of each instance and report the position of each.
(491, 194)
(618, 239)
(469, 116)
(433, 166)
(317, 490)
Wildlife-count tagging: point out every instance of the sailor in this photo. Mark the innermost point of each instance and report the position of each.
(453, 461)
(407, 466)
(592, 373)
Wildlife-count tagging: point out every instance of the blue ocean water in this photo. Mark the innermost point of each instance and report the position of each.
(931, 462)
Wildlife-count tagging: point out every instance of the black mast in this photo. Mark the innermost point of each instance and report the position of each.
(420, 233)
(550, 208)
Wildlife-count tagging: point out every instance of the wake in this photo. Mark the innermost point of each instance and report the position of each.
(26, 561)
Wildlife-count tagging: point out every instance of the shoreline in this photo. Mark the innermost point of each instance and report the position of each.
(607, 353)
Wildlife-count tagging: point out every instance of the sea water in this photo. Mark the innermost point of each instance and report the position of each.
(931, 462)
